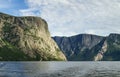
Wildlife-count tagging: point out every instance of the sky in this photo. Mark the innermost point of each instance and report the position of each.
(70, 17)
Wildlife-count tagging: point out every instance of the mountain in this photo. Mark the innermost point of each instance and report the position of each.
(113, 48)
(26, 38)
(87, 47)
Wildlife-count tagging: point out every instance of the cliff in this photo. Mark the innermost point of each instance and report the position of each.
(26, 38)
(75, 46)
(86, 47)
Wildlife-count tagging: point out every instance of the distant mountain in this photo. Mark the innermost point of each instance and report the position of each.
(26, 38)
(87, 47)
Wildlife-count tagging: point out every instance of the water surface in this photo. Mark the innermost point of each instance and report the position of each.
(60, 69)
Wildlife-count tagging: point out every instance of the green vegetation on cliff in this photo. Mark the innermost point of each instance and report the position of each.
(113, 51)
(26, 38)
(86, 47)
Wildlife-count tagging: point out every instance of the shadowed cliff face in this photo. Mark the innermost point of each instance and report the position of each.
(113, 49)
(75, 45)
(85, 47)
(28, 38)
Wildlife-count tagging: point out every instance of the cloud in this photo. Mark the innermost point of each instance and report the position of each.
(69, 17)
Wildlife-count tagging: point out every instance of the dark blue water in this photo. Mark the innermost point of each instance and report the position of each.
(59, 69)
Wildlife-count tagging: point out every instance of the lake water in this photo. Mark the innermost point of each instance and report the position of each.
(60, 69)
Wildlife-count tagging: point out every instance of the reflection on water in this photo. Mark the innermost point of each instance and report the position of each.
(59, 69)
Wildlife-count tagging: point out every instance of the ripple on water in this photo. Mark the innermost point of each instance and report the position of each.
(75, 72)
(76, 69)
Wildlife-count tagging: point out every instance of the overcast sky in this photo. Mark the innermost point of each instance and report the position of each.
(70, 17)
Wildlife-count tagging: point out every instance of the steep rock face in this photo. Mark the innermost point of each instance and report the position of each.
(113, 49)
(74, 46)
(28, 37)
(101, 52)
(90, 47)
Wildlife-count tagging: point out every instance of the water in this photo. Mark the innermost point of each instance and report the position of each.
(59, 69)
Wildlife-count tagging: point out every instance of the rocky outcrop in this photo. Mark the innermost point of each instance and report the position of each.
(101, 52)
(26, 38)
(113, 48)
(76, 45)
(85, 47)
